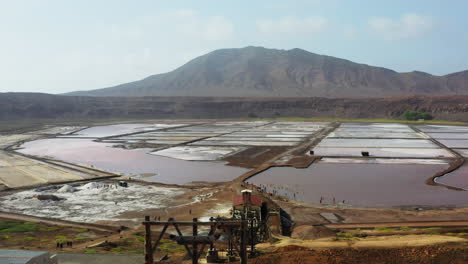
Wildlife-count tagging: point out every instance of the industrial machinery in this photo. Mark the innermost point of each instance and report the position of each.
(229, 239)
(252, 209)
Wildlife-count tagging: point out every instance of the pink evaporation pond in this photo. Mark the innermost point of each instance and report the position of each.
(131, 162)
(365, 185)
(458, 178)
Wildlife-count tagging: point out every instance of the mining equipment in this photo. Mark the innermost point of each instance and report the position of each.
(252, 209)
(229, 239)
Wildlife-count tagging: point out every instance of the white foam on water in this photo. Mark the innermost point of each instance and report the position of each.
(67, 189)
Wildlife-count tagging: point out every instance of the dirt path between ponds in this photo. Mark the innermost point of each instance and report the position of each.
(400, 224)
(368, 242)
(454, 165)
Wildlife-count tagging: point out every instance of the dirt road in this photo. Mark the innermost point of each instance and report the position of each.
(399, 224)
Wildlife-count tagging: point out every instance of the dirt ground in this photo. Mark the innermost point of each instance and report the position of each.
(303, 213)
(254, 156)
(440, 254)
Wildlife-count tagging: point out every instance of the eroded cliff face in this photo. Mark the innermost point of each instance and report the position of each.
(44, 106)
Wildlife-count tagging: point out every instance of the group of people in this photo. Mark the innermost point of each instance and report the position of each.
(65, 244)
(273, 189)
(288, 191)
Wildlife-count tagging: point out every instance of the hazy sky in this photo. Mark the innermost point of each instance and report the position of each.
(56, 46)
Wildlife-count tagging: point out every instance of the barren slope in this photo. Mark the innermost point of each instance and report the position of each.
(44, 106)
(260, 72)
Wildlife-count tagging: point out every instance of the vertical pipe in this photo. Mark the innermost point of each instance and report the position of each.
(148, 247)
(195, 244)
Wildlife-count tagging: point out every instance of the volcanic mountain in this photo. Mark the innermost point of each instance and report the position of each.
(261, 72)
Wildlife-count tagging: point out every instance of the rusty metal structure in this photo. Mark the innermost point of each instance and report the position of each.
(196, 243)
(252, 208)
(247, 226)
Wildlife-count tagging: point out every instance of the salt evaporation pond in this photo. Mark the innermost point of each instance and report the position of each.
(452, 135)
(377, 143)
(131, 162)
(454, 143)
(119, 129)
(458, 178)
(367, 185)
(384, 152)
(463, 152)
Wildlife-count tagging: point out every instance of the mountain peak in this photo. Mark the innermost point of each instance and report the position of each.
(255, 71)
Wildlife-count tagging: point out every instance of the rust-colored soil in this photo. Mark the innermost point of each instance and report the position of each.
(420, 255)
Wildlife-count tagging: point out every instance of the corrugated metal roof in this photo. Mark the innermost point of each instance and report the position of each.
(18, 256)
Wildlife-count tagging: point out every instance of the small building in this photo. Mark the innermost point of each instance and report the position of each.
(26, 257)
(253, 209)
(248, 206)
(247, 199)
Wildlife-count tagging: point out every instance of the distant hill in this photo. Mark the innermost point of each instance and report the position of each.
(32, 107)
(260, 72)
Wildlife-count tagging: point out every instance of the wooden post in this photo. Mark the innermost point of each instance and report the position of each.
(243, 249)
(195, 244)
(176, 226)
(148, 246)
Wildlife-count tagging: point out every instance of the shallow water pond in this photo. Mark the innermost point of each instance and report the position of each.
(368, 185)
(120, 129)
(131, 162)
(458, 178)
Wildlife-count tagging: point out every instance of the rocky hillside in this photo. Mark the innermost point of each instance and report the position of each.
(260, 72)
(14, 106)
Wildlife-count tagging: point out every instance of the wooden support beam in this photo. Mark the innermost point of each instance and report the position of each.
(195, 252)
(212, 230)
(195, 244)
(189, 240)
(180, 234)
(160, 236)
(148, 246)
(186, 223)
